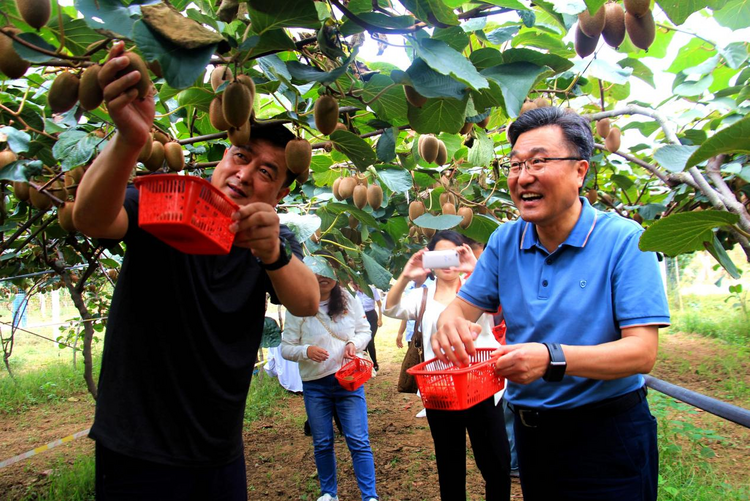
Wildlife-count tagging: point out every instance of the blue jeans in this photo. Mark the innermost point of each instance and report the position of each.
(321, 396)
(509, 418)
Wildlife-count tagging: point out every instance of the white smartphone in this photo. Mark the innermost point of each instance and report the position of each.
(440, 259)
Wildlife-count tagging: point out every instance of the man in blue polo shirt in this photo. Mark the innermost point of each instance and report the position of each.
(583, 306)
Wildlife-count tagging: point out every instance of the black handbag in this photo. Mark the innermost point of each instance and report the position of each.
(414, 353)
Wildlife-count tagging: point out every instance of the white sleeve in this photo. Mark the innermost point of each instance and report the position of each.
(291, 339)
(362, 333)
(408, 308)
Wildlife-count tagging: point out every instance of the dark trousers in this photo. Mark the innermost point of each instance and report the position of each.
(611, 458)
(123, 478)
(372, 318)
(489, 443)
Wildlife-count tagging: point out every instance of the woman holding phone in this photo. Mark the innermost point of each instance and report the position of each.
(484, 421)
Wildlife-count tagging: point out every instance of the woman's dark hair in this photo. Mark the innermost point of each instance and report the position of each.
(450, 235)
(337, 302)
(575, 128)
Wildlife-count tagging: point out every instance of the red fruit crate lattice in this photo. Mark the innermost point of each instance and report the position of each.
(449, 387)
(354, 374)
(186, 212)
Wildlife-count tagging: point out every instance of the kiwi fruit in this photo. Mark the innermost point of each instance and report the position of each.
(236, 104)
(63, 93)
(415, 98)
(637, 218)
(584, 45)
(353, 235)
(136, 64)
(447, 197)
(239, 136)
(113, 273)
(146, 150)
(35, 12)
(641, 30)
(442, 156)
(414, 233)
(637, 8)
(219, 75)
(353, 222)
(173, 155)
(326, 112)
(484, 122)
(416, 209)
(466, 128)
(216, 115)
(57, 189)
(375, 196)
(428, 149)
(7, 157)
(315, 237)
(250, 84)
(339, 126)
(335, 189)
(428, 232)
(155, 68)
(161, 137)
(602, 127)
(612, 142)
(541, 102)
(65, 217)
(592, 195)
(302, 177)
(592, 26)
(449, 209)
(346, 187)
(76, 174)
(72, 178)
(467, 214)
(90, 94)
(614, 25)
(39, 200)
(10, 62)
(360, 196)
(298, 154)
(21, 190)
(155, 160)
(527, 106)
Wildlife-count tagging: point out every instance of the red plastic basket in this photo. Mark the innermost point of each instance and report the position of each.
(354, 374)
(449, 387)
(186, 212)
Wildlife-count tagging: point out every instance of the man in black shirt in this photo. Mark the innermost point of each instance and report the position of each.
(184, 330)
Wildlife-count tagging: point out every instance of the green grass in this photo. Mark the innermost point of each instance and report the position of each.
(69, 482)
(684, 472)
(711, 316)
(265, 398)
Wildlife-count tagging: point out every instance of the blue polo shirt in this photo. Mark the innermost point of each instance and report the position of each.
(596, 283)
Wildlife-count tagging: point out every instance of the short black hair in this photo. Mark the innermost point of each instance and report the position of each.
(575, 128)
(450, 235)
(278, 135)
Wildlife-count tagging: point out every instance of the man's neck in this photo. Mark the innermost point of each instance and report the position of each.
(553, 235)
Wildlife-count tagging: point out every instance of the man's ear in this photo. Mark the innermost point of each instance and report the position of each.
(282, 193)
(581, 169)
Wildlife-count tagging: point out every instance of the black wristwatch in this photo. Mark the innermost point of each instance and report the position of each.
(557, 363)
(285, 255)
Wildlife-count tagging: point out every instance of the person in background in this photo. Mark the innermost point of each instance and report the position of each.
(484, 421)
(321, 344)
(373, 307)
(583, 305)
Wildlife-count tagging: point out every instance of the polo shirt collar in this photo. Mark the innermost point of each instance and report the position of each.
(577, 238)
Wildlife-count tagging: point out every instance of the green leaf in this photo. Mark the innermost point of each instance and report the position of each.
(366, 218)
(501, 35)
(717, 251)
(455, 37)
(272, 40)
(510, 4)
(78, 36)
(557, 63)
(604, 70)
(486, 58)
(674, 157)
(18, 140)
(391, 104)
(447, 61)
(319, 265)
(423, 9)
(444, 222)
(181, 67)
(515, 80)
(480, 229)
(21, 170)
(438, 115)
(354, 147)
(733, 139)
(271, 15)
(109, 15)
(397, 228)
(430, 83)
(303, 226)
(386, 147)
(679, 10)
(376, 274)
(75, 147)
(397, 180)
(482, 151)
(691, 54)
(195, 96)
(735, 14)
(536, 38)
(32, 55)
(308, 73)
(684, 232)
(735, 54)
(640, 70)
(694, 88)
(594, 5)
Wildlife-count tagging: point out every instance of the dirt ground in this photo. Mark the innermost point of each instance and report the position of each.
(279, 457)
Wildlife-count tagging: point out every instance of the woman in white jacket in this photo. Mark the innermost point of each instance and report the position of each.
(484, 421)
(320, 344)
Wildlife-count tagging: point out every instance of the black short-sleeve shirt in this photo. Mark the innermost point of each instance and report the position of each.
(182, 337)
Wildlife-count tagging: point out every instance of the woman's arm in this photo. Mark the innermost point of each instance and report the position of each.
(291, 339)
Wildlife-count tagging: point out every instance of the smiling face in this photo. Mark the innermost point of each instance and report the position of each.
(326, 286)
(252, 173)
(550, 198)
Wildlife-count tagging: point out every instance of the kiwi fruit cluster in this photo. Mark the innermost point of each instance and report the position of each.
(532, 104)
(448, 204)
(612, 22)
(11, 63)
(432, 149)
(639, 23)
(359, 191)
(232, 110)
(326, 114)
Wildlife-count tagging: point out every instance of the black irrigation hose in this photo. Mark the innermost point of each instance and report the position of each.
(716, 407)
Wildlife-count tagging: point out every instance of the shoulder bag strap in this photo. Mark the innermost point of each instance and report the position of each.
(417, 336)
